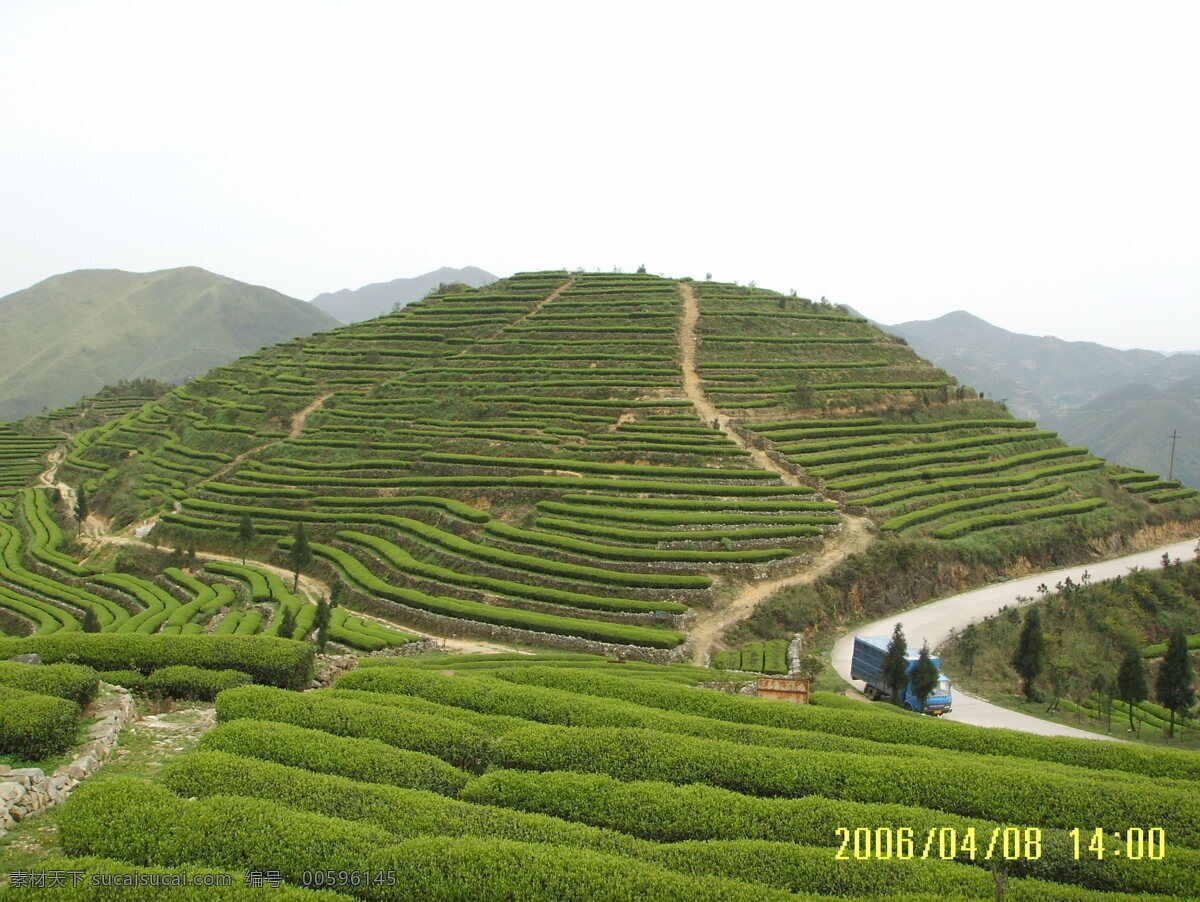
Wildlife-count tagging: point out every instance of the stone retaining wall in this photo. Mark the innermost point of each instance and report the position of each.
(28, 790)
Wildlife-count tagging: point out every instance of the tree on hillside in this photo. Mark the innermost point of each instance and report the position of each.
(246, 534)
(642, 269)
(1131, 679)
(300, 555)
(324, 612)
(924, 676)
(895, 663)
(1173, 688)
(90, 622)
(1029, 660)
(81, 504)
(968, 646)
(287, 623)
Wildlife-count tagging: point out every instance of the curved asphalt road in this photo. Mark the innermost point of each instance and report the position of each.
(933, 622)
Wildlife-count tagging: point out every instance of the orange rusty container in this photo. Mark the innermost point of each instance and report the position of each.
(786, 689)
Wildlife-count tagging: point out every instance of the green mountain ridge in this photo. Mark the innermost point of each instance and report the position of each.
(1121, 403)
(379, 298)
(89, 328)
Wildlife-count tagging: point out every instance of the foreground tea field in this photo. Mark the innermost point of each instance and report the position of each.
(566, 776)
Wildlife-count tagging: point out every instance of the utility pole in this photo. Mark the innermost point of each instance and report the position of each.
(1174, 436)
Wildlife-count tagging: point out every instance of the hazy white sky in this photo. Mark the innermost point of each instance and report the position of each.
(1036, 163)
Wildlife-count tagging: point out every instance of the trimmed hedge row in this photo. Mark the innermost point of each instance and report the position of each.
(45, 535)
(74, 682)
(353, 570)
(161, 828)
(278, 662)
(652, 536)
(553, 463)
(962, 527)
(359, 758)
(698, 504)
(33, 725)
(882, 727)
(186, 681)
(454, 741)
(970, 469)
(922, 515)
(107, 612)
(875, 452)
(482, 693)
(464, 547)
(945, 486)
(622, 553)
(403, 812)
(667, 813)
(406, 563)
(1049, 800)
(680, 518)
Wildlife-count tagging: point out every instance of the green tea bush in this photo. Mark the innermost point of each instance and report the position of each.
(882, 727)
(188, 682)
(277, 662)
(33, 726)
(70, 681)
(983, 791)
(358, 575)
(450, 740)
(358, 758)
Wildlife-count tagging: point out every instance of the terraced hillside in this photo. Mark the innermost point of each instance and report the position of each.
(605, 461)
(569, 777)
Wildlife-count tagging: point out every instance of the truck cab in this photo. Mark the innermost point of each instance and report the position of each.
(866, 664)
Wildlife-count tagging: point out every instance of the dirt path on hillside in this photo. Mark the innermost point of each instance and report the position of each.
(299, 419)
(48, 478)
(855, 535)
(693, 387)
(537, 308)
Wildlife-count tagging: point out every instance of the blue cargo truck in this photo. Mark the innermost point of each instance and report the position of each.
(867, 665)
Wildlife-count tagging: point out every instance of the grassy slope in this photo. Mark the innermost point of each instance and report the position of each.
(88, 328)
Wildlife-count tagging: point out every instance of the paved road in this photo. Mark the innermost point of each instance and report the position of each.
(933, 622)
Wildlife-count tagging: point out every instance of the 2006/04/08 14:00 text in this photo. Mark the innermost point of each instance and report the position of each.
(1008, 843)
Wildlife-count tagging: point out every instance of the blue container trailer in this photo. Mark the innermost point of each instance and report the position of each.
(867, 665)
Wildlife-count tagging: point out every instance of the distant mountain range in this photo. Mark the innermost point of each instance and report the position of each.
(71, 334)
(355, 305)
(1121, 404)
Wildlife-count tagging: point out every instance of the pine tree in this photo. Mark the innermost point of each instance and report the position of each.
(1131, 679)
(924, 676)
(246, 533)
(299, 554)
(1029, 660)
(81, 504)
(968, 647)
(287, 624)
(90, 623)
(895, 664)
(1173, 687)
(324, 612)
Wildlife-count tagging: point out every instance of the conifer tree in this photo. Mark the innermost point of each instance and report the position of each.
(924, 676)
(299, 554)
(1173, 688)
(895, 664)
(1029, 660)
(1131, 679)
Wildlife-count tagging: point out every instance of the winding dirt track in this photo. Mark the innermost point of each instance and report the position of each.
(854, 535)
